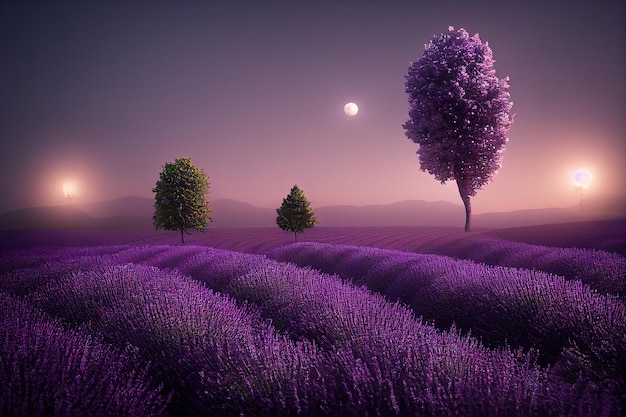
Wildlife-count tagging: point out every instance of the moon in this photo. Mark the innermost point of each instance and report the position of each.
(351, 109)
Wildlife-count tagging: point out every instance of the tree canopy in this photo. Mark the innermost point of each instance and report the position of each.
(295, 214)
(459, 112)
(180, 198)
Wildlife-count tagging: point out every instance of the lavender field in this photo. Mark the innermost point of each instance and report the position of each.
(350, 322)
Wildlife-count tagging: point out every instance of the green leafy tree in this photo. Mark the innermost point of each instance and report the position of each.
(295, 214)
(460, 112)
(180, 198)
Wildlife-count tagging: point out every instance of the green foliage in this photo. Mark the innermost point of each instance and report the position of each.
(180, 198)
(295, 214)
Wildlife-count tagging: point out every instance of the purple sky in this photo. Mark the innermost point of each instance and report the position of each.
(105, 93)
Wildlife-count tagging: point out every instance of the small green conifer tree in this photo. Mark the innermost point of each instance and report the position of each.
(295, 214)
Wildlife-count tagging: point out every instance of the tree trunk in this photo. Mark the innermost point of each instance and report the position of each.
(182, 237)
(468, 213)
(466, 202)
(295, 237)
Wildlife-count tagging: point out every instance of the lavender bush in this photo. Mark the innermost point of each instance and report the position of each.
(50, 371)
(319, 317)
(26, 280)
(409, 368)
(217, 357)
(215, 267)
(23, 271)
(603, 271)
(572, 326)
(329, 347)
(18, 259)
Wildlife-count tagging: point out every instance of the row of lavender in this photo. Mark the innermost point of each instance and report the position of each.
(603, 271)
(279, 301)
(575, 329)
(215, 357)
(333, 348)
(48, 370)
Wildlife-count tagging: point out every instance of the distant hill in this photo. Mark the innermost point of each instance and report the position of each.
(128, 213)
(403, 213)
(64, 217)
(598, 207)
(233, 213)
(55, 217)
(136, 213)
(125, 206)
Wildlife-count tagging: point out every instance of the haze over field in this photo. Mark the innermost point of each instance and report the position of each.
(105, 93)
(135, 213)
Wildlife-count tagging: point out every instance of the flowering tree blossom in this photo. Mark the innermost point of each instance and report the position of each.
(459, 112)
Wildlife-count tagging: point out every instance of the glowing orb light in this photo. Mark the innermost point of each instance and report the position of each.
(69, 190)
(351, 109)
(582, 178)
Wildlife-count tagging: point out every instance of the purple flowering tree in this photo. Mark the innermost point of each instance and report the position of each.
(459, 112)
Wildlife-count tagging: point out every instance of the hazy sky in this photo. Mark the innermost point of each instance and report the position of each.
(105, 93)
